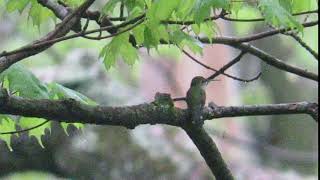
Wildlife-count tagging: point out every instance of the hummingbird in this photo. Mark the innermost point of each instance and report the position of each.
(196, 98)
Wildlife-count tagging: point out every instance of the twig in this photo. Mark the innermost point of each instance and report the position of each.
(137, 21)
(94, 14)
(220, 16)
(269, 59)
(25, 130)
(186, 23)
(179, 99)
(227, 66)
(215, 70)
(263, 19)
(99, 37)
(269, 33)
(304, 45)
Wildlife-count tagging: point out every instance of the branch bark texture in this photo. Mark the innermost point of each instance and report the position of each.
(70, 110)
(209, 151)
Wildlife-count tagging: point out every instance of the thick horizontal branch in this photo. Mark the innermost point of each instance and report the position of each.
(70, 110)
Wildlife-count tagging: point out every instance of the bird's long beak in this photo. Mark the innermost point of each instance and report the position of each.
(207, 82)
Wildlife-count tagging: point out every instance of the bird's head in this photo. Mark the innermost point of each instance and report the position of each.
(198, 81)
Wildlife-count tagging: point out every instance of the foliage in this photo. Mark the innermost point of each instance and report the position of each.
(23, 83)
(164, 21)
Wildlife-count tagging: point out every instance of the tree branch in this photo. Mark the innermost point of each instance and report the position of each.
(59, 11)
(209, 151)
(227, 66)
(25, 130)
(261, 110)
(269, 33)
(62, 29)
(304, 44)
(215, 70)
(269, 59)
(263, 19)
(134, 22)
(70, 110)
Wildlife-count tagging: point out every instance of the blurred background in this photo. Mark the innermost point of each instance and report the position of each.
(257, 148)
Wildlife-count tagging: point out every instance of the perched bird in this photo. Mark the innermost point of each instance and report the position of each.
(196, 98)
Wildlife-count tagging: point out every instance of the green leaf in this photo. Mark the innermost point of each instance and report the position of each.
(196, 29)
(117, 48)
(110, 6)
(277, 15)
(293, 6)
(5, 83)
(150, 39)
(109, 55)
(129, 53)
(58, 91)
(182, 39)
(236, 7)
(202, 8)
(162, 9)
(73, 3)
(134, 4)
(24, 82)
(39, 14)
(286, 4)
(185, 8)
(163, 32)
(138, 33)
(148, 3)
(305, 5)
(26, 122)
(65, 126)
(7, 125)
(20, 5)
(207, 28)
